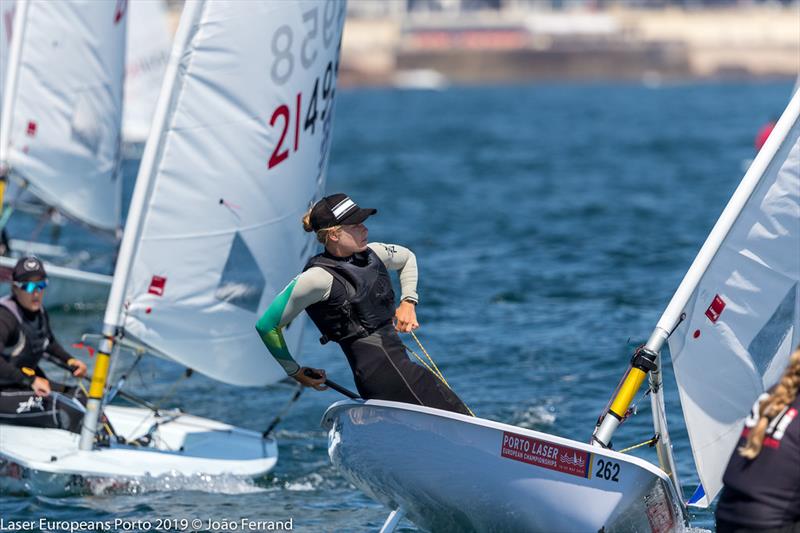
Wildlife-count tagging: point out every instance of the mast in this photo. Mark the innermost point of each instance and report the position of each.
(647, 358)
(10, 91)
(147, 171)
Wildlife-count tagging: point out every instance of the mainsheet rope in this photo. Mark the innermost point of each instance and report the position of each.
(432, 367)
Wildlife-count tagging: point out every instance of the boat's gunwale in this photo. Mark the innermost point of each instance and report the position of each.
(334, 410)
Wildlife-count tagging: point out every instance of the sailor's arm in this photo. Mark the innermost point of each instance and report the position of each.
(56, 351)
(400, 258)
(10, 374)
(312, 286)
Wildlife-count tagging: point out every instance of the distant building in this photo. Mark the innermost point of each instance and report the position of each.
(399, 8)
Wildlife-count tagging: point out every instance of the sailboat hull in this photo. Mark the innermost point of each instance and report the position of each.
(450, 472)
(184, 448)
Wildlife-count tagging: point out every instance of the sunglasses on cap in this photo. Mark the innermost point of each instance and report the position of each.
(31, 286)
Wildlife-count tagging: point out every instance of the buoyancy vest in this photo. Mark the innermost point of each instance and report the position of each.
(361, 299)
(762, 493)
(34, 337)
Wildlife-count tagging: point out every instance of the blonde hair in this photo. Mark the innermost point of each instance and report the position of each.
(323, 234)
(783, 394)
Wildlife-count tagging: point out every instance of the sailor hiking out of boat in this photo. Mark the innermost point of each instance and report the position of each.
(26, 395)
(762, 481)
(347, 292)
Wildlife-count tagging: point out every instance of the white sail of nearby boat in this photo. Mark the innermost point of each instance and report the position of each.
(7, 9)
(62, 106)
(731, 327)
(741, 300)
(60, 127)
(148, 48)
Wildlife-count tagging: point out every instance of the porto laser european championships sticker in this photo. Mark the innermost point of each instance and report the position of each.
(546, 454)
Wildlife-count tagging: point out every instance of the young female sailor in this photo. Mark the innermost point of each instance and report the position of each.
(762, 481)
(347, 292)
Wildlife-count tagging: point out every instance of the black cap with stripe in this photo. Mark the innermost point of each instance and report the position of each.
(338, 210)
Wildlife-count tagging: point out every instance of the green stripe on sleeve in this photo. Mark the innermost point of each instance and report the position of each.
(271, 333)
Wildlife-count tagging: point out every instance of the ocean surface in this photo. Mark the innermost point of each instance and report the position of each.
(551, 223)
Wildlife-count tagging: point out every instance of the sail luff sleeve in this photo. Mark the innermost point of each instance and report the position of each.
(313, 285)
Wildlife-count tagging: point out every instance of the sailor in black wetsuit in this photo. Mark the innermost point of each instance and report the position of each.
(762, 481)
(347, 292)
(27, 397)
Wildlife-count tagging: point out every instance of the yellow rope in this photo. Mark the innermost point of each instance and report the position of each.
(629, 448)
(433, 364)
(423, 362)
(435, 370)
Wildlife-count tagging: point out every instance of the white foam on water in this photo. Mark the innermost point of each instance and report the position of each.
(311, 482)
(535, 417)
(224, 484)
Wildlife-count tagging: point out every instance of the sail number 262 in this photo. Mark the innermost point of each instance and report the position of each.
(284, 50)
(608, 470)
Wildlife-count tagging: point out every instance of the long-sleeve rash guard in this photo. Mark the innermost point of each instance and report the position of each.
(314, 285)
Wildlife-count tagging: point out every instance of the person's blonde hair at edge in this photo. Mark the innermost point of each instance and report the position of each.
(322, 235)
(784, 394)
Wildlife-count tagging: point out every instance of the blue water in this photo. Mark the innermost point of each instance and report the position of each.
(552, 223)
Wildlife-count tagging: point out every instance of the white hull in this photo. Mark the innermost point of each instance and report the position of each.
(67, 286)
(450, 472)
(48, 461)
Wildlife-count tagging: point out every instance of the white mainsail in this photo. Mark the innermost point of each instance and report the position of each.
(63, 103)
(149, 44)
(7, 8)
(242, 154)
(742, 309)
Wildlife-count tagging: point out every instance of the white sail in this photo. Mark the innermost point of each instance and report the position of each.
(7, 9)
(242, 154)
(66, 105)
(149, 44)
(743, 309)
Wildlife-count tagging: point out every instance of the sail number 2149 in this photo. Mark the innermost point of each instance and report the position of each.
(317, 107)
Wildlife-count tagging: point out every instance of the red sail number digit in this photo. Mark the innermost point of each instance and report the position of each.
(278, 156)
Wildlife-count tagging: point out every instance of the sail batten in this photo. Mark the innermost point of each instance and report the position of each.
(741, 300)
(237, 157)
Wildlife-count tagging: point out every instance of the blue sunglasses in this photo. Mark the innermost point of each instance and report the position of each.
(31, 286)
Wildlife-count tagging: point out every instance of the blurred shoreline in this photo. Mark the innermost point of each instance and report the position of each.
(430, 50)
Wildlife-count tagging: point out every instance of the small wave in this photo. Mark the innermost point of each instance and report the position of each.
(223, 484)
(513, 297)
(311, 482)
(535, 417)
(59, 486)
(291, 434)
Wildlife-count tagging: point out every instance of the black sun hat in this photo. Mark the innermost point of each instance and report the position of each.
(28, 268)
(336, 210)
